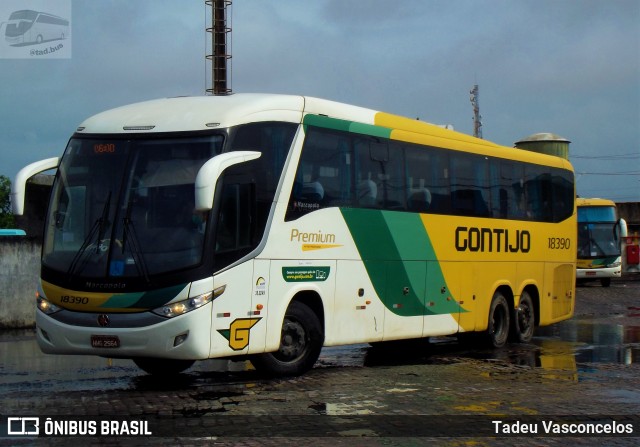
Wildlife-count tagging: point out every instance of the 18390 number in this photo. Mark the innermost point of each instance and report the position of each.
(68, 299)
(559, 243)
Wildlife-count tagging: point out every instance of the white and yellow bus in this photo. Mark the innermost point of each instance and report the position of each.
(600, 233)
(268, 226)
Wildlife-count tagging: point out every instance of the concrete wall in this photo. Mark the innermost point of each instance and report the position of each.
(19, 273)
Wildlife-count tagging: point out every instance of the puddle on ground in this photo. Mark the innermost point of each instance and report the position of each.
(596, 342)
(561, 349)
(556, 352)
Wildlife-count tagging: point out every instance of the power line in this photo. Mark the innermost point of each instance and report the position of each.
(631, 156)
(610, 173)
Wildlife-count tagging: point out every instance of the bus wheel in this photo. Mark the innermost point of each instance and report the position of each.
(498, 329)
(162, 367)
(301, 340)
(524, 320)
(606, 282)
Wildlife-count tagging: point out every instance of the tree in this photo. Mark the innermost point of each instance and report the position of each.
(7, 219)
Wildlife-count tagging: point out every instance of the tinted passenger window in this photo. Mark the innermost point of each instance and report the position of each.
(347, 169)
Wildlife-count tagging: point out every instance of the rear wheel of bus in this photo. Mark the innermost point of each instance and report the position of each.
(524, 319)
(498, 328)
(301, 340)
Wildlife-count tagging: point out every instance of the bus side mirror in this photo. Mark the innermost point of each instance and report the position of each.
(620, 231)
(211, 171)
(19, 185)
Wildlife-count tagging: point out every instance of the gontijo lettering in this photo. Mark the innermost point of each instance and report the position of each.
(492, 239)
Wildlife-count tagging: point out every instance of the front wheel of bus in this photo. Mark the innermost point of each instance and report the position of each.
(162, 367)
(301, 340)
(524, 319)
(498, 329)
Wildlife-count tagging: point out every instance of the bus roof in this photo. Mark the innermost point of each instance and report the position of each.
(30, 14)
(582, 201)
(211, 112)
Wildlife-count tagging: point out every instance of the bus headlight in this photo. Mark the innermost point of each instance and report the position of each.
(615, 264)
(182, 307)
(46, 306)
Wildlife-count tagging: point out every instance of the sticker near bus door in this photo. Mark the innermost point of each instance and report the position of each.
(301, 274)
(238, 332)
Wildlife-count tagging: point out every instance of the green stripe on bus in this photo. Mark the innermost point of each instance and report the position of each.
(397, 252)
(346, 126)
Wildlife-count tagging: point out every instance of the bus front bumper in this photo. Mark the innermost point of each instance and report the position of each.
(185, 337)
(604, 272)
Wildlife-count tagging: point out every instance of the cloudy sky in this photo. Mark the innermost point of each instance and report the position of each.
(570, 67)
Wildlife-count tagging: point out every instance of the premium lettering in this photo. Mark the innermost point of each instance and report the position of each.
(318, 237)
(490, 240)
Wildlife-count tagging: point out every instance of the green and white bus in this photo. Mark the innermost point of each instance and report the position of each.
(268, 226)
(600, 234)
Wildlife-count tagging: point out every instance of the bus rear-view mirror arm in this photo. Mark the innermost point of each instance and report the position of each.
(209, 173)
(18, 187)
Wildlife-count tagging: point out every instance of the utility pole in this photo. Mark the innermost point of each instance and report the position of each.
(220, 56)
(477, 118)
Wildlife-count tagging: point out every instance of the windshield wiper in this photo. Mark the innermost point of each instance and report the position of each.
(129, 233)
(99, 227)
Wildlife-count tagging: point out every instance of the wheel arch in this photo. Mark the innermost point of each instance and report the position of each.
(312, 299)
(507, 292)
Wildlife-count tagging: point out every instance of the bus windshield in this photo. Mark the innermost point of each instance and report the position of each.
(123, 208)
(20, 22)
(597, 236)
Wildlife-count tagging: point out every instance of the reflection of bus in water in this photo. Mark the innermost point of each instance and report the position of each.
(27, 26)
(599, 233)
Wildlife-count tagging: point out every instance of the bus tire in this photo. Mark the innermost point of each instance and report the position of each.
(162, 367)
(498, 328)
(301, 340)
(524, 320)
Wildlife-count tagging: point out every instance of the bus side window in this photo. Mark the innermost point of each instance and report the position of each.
(563, 195)
(379, 172)
(324, 175)
(469, 185)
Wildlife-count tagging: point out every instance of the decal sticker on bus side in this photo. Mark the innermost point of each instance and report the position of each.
(238, 332)
(305, 274)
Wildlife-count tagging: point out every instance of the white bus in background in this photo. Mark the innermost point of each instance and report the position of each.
(27, 27)
(600, 232)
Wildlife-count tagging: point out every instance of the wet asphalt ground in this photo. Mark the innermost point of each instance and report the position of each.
(582, 373)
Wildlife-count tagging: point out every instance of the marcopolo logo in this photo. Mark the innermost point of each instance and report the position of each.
(35, 29)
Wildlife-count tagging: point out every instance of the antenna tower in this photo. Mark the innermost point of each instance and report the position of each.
(219, 83)
(477, 118)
